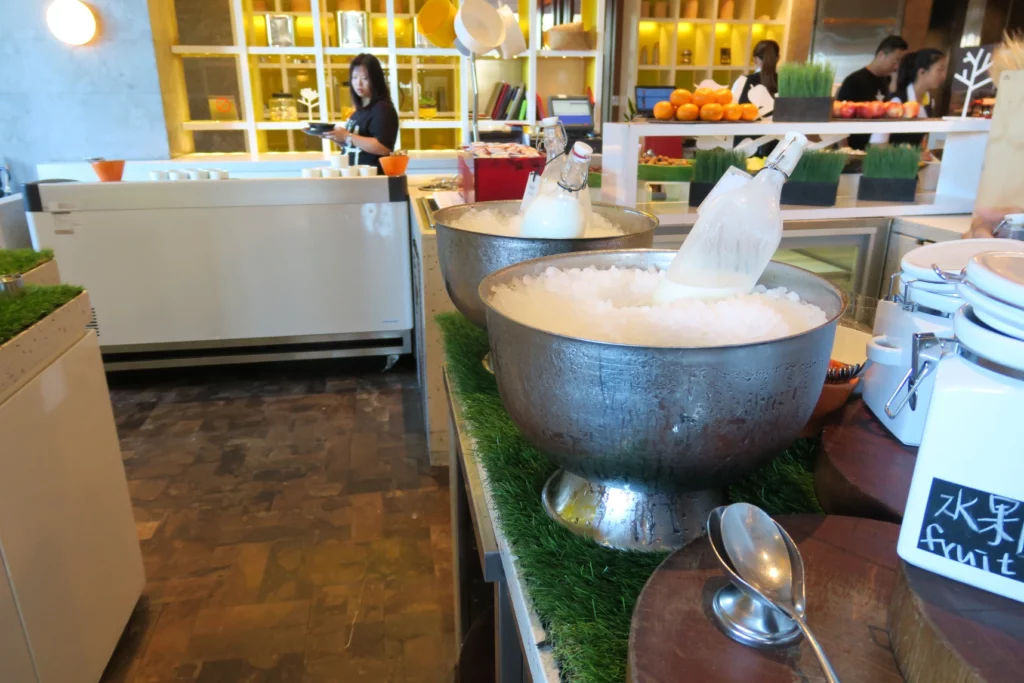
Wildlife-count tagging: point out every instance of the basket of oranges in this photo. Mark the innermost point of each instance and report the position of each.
(704, 104)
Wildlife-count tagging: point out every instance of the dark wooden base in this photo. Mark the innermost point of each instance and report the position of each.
(862, 469)
(944, 631)
(887, 189)
(810, 193)
(802, 109)
(851, 567)
(699, 192)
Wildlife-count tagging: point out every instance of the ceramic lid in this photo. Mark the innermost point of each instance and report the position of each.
(951, 257)
(986, 342)
(1000, 275)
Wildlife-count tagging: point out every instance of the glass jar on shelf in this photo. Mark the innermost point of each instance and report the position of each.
(283, 107)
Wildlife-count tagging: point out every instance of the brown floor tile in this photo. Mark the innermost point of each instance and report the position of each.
(293, 530)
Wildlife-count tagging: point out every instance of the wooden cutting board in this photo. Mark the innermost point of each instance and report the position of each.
(851, 569)
(862, 469)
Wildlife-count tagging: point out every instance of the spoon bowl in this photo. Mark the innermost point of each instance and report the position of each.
(766, 557)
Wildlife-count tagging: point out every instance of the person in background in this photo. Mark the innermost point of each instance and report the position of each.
(872, 82)
(373, 127)
(920, 73)
(985, 221)
(766, 59)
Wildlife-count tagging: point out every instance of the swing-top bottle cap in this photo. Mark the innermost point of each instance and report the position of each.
(786, 156)
(548, 121)
(582, 150)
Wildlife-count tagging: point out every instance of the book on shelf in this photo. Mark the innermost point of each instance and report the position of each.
(522, 111)
(492, 101)
(512, 112)
(500, 104)
(542, 111)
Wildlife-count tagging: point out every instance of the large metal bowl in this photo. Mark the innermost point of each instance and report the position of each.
(468, 257)
(648, 436)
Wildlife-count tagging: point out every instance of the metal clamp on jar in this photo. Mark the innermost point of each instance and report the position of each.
(925, 303)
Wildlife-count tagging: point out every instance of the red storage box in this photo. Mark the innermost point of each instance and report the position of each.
(488, 179)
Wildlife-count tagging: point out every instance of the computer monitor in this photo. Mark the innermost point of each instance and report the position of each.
(574, 113)
(649, 95)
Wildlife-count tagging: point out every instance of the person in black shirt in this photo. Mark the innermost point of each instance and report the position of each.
(872, 82)
(920, 73)
(373, 127)
(766, 59)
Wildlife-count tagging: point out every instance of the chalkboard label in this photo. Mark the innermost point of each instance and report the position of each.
(975, 528)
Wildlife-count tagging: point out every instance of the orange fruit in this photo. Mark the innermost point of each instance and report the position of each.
(687, 112)
(748, 112)
(680, 96)
(723, 96)
(712, 112)
(702, 96)
(664, 111)
(733, 112)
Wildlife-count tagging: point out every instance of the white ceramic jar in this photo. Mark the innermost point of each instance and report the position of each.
(926, 303)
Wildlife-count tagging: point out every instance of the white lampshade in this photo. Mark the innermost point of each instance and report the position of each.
(71, 21)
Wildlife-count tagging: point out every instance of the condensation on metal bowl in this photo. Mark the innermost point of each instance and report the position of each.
(468, 257)
(647, 437)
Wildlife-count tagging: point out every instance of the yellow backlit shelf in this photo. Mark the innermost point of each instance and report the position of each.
(317, 61)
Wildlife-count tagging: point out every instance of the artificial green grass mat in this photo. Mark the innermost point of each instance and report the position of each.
(584, 593)
(22, 260)
(37, 303)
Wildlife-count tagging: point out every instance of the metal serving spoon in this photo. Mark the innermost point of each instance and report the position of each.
(771, 566)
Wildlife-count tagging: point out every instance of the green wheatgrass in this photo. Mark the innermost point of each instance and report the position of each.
(892, 161)
(806, 80)
(584, 593)
(709, 165)
(819, 167)
(19, 313)
(22, 260)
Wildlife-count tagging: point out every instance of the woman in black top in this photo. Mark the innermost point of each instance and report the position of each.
(919, 74)
(373, 127)
(766, 59)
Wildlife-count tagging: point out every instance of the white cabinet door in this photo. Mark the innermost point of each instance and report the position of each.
(67, 533)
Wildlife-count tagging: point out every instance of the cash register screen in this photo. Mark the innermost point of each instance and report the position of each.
(648, 96)
(573, 112)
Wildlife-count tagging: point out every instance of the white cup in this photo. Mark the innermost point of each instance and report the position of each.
(198, 174)
(330, 172)
(218, 174)
(366, 171)
(339, 161)
(311, 173)
(158, 175)
(177, 175)
(349, 172)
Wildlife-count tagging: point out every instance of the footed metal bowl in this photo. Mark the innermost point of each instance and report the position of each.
(647, 437)
(468, 257)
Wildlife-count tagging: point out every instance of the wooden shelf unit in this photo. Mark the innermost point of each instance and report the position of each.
(703, 35)
(262, 70)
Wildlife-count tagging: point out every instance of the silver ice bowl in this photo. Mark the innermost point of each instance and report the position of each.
(647, 437)
(468, 257)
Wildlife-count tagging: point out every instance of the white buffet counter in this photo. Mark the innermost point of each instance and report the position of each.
(214, 272)
(276, 165)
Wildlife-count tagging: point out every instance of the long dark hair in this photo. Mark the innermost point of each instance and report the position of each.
(378, 84)
(768, 52)
(913, 62)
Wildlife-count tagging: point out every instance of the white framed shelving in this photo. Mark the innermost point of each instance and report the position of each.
(959, 173)
(318, 62)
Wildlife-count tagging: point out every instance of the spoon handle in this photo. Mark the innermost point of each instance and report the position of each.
(826, 666)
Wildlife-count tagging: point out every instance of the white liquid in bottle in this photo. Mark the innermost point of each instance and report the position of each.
(560, 214)
(735, 235)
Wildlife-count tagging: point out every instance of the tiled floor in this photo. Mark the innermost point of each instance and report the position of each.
(293, 529)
